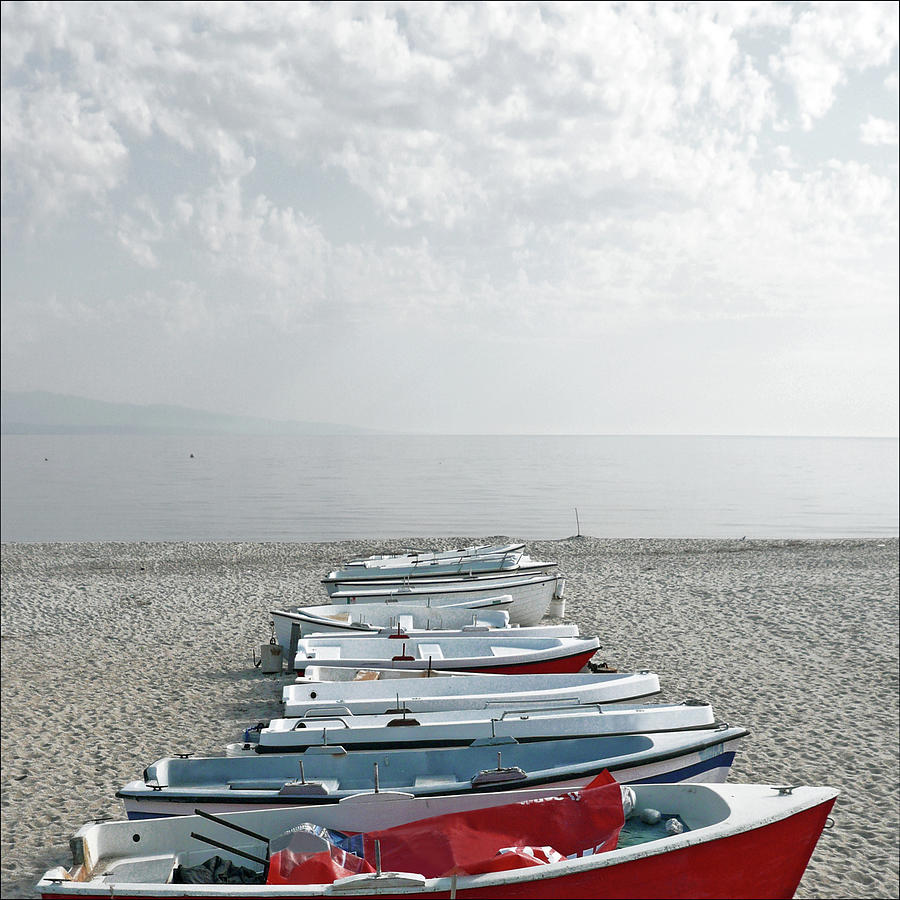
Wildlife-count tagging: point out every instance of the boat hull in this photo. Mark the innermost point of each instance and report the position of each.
(558, 665)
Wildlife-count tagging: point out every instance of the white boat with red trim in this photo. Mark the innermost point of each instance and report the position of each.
(711, 841)
(482, 653)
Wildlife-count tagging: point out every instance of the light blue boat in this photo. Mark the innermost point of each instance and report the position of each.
(327, 774)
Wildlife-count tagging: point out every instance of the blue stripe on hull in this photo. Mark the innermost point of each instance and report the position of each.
(723, 761)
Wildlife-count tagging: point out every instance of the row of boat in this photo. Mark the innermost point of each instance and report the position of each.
(445, 744)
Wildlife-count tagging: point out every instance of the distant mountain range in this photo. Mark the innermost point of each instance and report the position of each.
(40, 412)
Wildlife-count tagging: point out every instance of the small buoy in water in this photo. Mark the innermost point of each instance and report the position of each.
(650, 816)
(673, 826)
(192, 456)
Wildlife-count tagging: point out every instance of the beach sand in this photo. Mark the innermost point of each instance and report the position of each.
(114, 655)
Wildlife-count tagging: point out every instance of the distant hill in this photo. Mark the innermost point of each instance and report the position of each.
(40, 412)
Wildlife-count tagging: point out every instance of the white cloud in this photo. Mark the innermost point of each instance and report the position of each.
(58, 148)
(828, 41)
(878, 131)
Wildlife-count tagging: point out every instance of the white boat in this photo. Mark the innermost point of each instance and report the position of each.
(731, 840)
(472, 692)
(459, 727)
(374, 617)
(412, 620)
(437, 581)
(531, 594)
(330, 773)
(440, 564)
(482, 653)
(409, 559)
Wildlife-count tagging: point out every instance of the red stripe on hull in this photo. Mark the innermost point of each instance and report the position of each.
(565, 665)
(765, 862)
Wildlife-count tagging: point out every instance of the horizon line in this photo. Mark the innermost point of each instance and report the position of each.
(112, 432)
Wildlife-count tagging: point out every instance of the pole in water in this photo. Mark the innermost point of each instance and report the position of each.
(577, 523)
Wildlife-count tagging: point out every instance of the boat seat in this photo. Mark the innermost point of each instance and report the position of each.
(506, 651)
(405, 622)
(256, 784)
(151, 869)
(326, 653)
(432, 650)
(434, 780)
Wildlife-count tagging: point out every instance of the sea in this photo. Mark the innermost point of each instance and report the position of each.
(325, 488)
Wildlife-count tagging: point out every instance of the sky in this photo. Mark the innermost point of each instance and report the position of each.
(542, 218)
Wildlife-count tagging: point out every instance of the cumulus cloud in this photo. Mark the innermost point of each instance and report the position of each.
(878, 131)
(598, 166)
(827, 43)
(58, 149)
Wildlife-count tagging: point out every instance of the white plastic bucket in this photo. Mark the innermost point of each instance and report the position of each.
(271, 658)
(557, 609)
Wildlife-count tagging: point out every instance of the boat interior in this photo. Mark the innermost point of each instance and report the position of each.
(148, 851)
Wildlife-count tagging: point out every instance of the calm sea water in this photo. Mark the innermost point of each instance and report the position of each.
(131, 488)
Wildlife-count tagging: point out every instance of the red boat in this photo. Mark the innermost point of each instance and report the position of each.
(604, 841)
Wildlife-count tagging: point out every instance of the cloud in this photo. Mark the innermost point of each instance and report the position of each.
(827, 43)
(58, 149)
(878, 131)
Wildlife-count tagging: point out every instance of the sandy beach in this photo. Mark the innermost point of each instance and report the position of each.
(114, 655)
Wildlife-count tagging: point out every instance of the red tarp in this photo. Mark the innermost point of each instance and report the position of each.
(532, 832)
(288, 867)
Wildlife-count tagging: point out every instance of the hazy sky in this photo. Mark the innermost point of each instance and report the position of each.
(487, 217)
